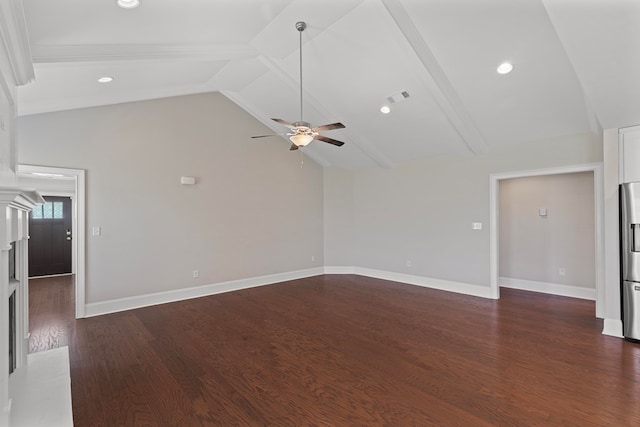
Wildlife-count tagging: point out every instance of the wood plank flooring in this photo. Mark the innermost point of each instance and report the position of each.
(351, 351)
(51, 312)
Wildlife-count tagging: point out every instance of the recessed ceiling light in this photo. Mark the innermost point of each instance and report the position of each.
(505, 68)
(385, 109)
(128, 4)
(105, 79)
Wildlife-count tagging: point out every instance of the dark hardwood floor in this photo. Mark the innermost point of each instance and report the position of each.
(349, 351)
(51, 312)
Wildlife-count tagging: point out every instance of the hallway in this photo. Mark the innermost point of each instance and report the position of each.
(51, 312)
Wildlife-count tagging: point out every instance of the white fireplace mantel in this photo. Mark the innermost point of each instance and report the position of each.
(14, 228)
(17, 203)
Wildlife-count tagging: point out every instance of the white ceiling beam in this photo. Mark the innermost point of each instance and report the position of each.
(436, 80)
(133, 52)
(367, 149)
(594, 121)
(592, 116)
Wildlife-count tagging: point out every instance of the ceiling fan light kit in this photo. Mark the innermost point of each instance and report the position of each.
(301, 139)
(128, 4)
(301, 133)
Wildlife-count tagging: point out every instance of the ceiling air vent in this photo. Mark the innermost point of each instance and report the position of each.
(397, 97)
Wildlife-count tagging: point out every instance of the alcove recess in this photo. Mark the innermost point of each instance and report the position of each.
(15, 203)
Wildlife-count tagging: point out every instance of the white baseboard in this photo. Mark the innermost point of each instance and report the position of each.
(339, 270)
(548, 288)
(129, 303)
(612, 327)
(427, 282)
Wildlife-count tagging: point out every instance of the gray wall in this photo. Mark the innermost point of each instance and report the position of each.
(338, 217)
(422, 211)
(534, 247)
(253, 212)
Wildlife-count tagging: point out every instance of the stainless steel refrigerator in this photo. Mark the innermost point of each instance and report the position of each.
(630, 258)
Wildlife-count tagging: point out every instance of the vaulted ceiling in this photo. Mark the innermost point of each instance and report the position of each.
(576, 66)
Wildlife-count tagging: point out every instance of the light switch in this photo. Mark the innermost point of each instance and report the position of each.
(97, 231)
(542, 211)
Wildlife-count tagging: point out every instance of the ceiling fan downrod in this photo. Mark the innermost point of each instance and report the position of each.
(301, 26)
(302, 133)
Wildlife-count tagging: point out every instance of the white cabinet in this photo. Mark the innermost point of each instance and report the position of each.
(629, 139)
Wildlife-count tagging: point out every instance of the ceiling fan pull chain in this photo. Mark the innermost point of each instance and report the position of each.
(301, 158)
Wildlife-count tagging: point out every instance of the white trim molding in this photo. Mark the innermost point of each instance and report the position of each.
(409, 279)
(79, 232)
(14, 41)
(138, 52)
(612, 327)
(139, 301)
(548, 288)
(339, 270)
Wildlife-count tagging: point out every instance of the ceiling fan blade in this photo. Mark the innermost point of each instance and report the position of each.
(293, 147)
(284, 122)
(328, 127)
(329, 140)
(265, 136)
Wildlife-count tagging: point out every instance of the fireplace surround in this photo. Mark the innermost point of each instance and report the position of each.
(14, 288)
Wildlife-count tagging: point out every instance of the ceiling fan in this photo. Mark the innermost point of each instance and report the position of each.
(301, 132)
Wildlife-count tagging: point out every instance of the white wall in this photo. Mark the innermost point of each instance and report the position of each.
(253, 212)
(534, 247)
(422, 211)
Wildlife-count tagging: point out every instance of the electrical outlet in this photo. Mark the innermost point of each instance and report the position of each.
(408, 263)
(561, 271)
(313, 258)
(196, 274)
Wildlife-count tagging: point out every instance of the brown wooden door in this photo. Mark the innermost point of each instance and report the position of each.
(50, 237)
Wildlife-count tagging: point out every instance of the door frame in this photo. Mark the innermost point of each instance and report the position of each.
(78, 225)
(598, 188)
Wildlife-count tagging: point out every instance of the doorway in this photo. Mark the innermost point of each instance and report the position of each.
(46, 180)
(598, 216)
(547, 234)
